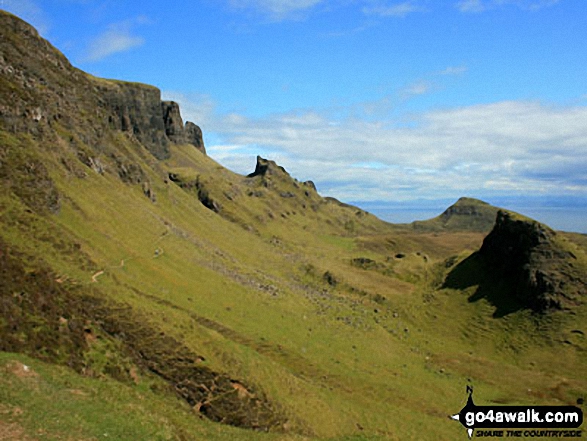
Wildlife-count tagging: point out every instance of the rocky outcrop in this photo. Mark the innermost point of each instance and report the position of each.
(175, 129)
(542, 273)
(199, 188)
(265, 167)
(172, 120)
(193, 135)
(522, 264)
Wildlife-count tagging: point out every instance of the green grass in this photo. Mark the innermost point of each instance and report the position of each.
(44, 401)
(337, 362)
(368, 353)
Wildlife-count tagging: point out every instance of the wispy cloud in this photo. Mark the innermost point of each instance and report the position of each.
(453, 70)
(471, 6)
(535, 5)
(505, 148)
(277, 10)
(420, 87)
(119, 37)
(476, 6)
(531, 5)
(394, 10)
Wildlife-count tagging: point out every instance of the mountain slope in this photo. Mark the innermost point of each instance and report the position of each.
(467, 214)
(129, 259)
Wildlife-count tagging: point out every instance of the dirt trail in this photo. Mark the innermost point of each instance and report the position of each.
(99, 273)
(158, 253)
(96, 275)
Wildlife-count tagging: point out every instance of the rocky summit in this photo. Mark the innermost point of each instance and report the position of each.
(149, 293)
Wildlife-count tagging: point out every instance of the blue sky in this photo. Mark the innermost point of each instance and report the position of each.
(380, 102)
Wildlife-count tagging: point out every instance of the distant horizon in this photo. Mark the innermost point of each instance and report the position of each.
(562, 214)
(373, 100)
(567, 219)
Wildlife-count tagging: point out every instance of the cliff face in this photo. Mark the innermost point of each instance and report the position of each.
(541, 271)
(41, 92)
(136, 109)
(176, 131)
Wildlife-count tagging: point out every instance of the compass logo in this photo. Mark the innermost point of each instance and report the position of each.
(519, 417)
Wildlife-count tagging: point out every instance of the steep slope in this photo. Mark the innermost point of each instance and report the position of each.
(89, 201)
(140, 277)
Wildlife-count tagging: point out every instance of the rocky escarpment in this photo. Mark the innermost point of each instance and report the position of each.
(176, 131)
(136, 109)
(541, 271)
(265, 168)
(42, 93)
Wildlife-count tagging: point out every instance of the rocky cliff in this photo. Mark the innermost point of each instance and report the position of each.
(176, 131)
(42, 92)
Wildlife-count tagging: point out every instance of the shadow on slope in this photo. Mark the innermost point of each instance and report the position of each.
(523, 264)
(473, 272)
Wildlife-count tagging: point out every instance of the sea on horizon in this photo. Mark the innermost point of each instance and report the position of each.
(571, 219)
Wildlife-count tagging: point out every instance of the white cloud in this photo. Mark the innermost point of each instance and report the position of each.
(394, 10)
(117, 38)
(277, 9)
(506, 148)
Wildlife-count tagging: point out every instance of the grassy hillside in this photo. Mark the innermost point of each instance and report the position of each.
(149, 293)
(467, 214)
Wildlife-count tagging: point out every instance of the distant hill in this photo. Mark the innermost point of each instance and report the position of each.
(467, 214)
